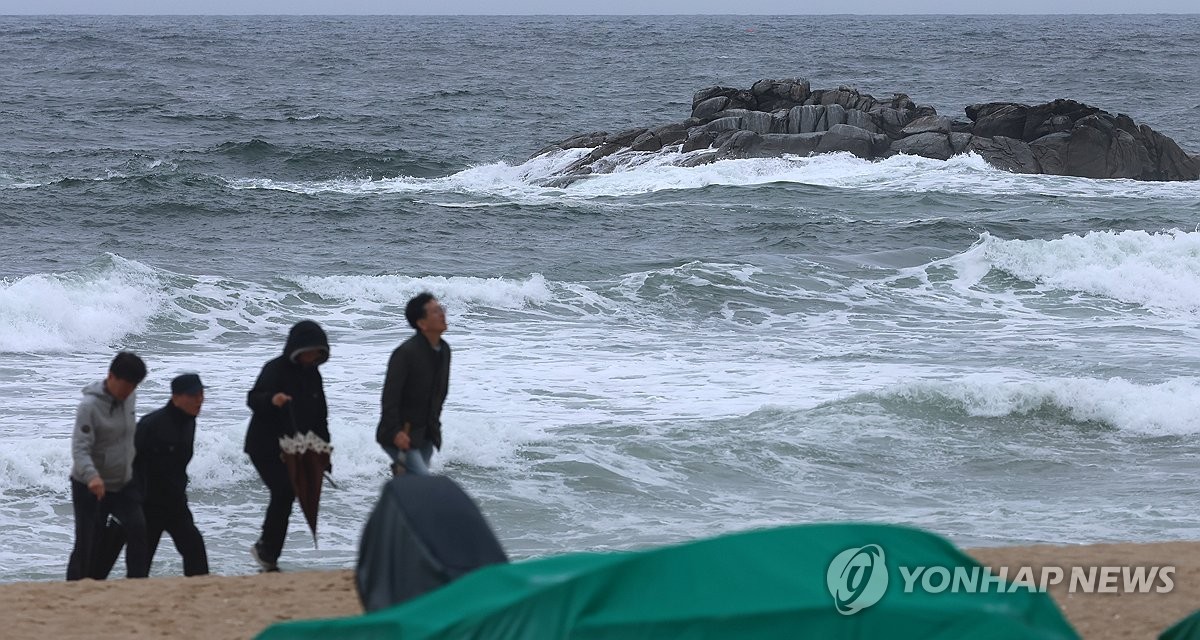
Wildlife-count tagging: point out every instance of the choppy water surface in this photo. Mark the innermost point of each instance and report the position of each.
(648, 356)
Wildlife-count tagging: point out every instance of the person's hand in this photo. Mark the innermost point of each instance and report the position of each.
(402, 441)
(280, 399)
(96, 486)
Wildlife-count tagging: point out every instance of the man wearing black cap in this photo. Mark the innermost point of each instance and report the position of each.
(164, 442)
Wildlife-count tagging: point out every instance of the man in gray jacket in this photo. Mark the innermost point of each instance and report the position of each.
(102, 452)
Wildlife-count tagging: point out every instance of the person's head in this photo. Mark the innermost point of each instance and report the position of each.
(426, 314)
(125, 373)
(187, 393)
(307, 344)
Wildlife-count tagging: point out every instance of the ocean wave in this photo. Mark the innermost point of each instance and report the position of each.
(499, 293)
(637, 174)
(8, 181)
(964, 174)
(695, 291)
(696, 288)
(203, 117)
(251, 150)
(114, 298)
(93, 307)
(353, 166)
(988, 283)
(139, 169)
(1158, 270)
(516, 183)
(1165, 409)
(380, 164)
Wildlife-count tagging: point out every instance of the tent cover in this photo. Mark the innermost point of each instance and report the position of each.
(424, 532)
(824, 581)
(1186, 629)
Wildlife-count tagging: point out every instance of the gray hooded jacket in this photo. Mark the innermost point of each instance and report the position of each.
(102, 443)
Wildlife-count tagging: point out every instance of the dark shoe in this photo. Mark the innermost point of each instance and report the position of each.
(263, 565)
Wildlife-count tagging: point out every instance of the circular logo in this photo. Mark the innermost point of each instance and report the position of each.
(857, 578)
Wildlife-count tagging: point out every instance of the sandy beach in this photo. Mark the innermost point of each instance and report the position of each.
(1109, 616)
(241, 606)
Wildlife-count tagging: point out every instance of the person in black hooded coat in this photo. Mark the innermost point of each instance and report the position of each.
(287, 398)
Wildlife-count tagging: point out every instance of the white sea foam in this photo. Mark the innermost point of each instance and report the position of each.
(502, 293)
(1160, 270)
(157, 163)
(961, 174)
(511, 182)
(95, 307)
(8, 181)
(63, 312)
(1166, 408)
(639, 173)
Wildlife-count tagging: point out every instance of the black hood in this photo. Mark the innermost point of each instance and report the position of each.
(305, 336)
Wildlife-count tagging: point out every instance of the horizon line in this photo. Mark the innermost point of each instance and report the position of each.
(583, 15)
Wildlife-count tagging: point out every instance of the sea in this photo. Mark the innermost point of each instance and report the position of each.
(641, 358)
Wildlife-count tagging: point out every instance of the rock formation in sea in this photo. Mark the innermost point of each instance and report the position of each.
(780, 117)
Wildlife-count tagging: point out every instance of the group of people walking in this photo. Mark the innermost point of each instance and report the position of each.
(129, 477)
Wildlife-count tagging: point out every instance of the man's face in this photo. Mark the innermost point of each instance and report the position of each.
(118, 388)
(188, 403)
(434, 320)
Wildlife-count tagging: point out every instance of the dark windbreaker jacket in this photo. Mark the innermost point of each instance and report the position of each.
(165, 440)
(414, 390)
(306, 412)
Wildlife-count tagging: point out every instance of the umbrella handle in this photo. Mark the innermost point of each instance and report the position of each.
(399, 468)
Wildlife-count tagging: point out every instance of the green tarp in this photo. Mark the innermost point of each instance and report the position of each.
(1186, 629)
(774, 583)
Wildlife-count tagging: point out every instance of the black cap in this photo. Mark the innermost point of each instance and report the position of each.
(188, 383)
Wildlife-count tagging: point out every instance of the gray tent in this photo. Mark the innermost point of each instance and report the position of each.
(424, 532)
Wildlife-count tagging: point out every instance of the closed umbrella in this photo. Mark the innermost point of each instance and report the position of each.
(307, 458)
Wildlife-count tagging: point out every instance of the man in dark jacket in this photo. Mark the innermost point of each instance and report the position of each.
(165, 440)
(414, 389)
(288, 398)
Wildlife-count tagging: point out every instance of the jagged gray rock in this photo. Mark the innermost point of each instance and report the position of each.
(928, 144)
(1005, 153)
(927, 124)
(843, 137)
(788, 117)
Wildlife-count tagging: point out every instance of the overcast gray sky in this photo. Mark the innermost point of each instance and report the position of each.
(590, 7)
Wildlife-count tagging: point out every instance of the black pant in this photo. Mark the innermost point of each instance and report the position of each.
(91, 516)
(176, 520)
(274, 530)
